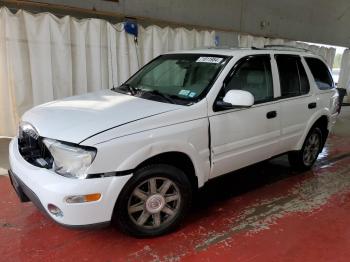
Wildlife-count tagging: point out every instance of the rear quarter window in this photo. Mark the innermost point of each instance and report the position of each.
(320, 72)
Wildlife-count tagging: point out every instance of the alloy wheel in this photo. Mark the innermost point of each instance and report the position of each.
(312, 148)
(154, 202)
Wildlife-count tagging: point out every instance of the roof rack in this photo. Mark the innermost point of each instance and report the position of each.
(225, 47)
(283, 48)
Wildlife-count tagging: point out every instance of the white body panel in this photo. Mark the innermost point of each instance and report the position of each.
(243, 137)
(127, 131)
(293, 127)
(74, 119)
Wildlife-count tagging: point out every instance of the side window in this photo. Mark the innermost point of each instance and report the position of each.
(293, 78)
(253, 75)
(320, 72)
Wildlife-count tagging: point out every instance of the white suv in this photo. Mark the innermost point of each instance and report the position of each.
(135, 154)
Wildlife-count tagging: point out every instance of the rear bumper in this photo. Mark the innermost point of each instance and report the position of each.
(332, 121)
(43, 187)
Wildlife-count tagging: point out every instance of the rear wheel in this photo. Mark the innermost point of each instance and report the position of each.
(154, 201)
(306, 157)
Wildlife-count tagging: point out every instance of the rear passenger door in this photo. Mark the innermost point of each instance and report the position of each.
(297, 104)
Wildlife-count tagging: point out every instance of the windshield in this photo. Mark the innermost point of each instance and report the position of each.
(175, 78)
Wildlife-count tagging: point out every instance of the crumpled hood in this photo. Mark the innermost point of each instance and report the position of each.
(76, 118)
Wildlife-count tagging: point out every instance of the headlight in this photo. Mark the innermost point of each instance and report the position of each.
(70, 160)
(25, 127)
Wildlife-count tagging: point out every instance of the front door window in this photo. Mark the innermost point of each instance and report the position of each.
(253, 74)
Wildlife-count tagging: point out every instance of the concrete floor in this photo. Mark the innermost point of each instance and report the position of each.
(266, 212)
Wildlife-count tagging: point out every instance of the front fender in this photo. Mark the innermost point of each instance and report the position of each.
(127, 152)
(201, 164)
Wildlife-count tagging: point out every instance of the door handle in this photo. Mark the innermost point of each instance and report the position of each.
(312, 105)
(271, 114)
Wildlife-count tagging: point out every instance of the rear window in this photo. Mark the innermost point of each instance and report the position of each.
(320, 72)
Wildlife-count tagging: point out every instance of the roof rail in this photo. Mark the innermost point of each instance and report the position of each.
(225, 47)
(286, 48)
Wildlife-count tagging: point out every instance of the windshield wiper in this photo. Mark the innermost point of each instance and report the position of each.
(132, 90)
(165, 96)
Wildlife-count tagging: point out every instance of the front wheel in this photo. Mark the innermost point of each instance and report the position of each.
(154, 201)
(306, 157)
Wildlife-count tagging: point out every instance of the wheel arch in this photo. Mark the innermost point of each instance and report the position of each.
(197, 161)
(321, 121)
(177, 159)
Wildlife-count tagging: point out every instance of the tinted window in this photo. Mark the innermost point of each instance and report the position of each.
(253, 75)
(293, 78)
(320, 72)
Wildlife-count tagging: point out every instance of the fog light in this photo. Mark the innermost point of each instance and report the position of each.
(54, 210)
(83, 198)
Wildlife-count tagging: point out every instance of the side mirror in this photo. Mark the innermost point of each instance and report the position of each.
(236, 98)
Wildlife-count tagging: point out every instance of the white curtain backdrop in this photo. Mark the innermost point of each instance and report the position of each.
(328, 54)
(43, 58)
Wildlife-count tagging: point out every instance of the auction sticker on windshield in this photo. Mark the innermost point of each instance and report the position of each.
(209, 59)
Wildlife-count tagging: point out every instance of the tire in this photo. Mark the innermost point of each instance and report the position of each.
(306, 157)
(142, 209)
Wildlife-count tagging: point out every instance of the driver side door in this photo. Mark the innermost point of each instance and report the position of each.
(243, 136)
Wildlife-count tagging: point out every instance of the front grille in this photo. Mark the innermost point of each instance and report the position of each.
(34, 151)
